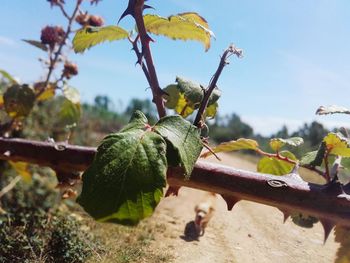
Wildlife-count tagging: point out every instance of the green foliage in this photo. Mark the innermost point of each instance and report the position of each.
(314, 158)
(273, 165)
(88, 37)
(126, 179)
(184, 141)
(337, 144)
(19, 100)
(185, 26)
(69, 113)
(33, 224)
(185, 97)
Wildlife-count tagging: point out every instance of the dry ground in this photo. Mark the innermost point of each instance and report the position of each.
(250, 233)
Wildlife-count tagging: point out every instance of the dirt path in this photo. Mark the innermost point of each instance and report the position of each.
(249, 233)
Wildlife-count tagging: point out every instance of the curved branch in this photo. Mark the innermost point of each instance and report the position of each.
(146, 52)
(288, 193)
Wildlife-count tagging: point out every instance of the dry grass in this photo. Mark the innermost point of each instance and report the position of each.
(122, 244)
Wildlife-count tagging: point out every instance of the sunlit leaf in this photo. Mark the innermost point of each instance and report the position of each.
(1, 100)
(337, 144)
(36, 44)
(71, 94)
(211, 110)
(47, 94)
(314, 158)
(172, 97)
(322, 110)
(240, 144)
(277, 143)
(184, 107)
(7, 76)
(185, 26)
(69, 113)
(186, 96)
(272, 165)
(22, 169)
(88, 37)
(185, 141)
(19, 100)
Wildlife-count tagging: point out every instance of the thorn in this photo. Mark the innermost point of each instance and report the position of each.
(148, 7)
(172, 190)
(327, 227)
(129, 10)
(230, 201)
(286, 214)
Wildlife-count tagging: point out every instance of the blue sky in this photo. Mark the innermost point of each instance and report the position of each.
(296, 56)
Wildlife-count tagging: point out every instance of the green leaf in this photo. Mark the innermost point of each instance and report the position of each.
(272, 165)
(125, 182)
(19, 100)
(211, 110)
(186, 96)
(88, 37)
(304, 220)
(337, 144)
(277, 143)
(314, 158)
(7, 76)
(172, 97)
(184, 139)
(331, 110)
(71, 94)
(240, 144)
(185, 26)
(36, 44)
(69, 113)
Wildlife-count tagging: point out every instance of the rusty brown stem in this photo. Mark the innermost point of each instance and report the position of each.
(146, 52)
(293, 194)
(212, 85)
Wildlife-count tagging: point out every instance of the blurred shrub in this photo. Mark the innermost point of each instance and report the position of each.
(34, 228)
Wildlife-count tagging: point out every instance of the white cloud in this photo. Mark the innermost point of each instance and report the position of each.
(7, 41)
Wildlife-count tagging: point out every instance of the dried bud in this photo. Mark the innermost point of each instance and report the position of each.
(56, 2)
(95, 21)
(94, 2)
(52, 35)
(82, 19)
(70, 70)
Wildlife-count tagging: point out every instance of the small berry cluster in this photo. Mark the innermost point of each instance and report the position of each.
(52, 35)
(85, 19)
(69, 70)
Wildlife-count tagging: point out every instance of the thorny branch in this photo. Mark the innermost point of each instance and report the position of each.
(146, 52)
(292, 194)
(231, 50)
